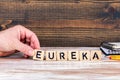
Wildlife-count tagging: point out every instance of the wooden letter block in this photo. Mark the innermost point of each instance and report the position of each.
(96, 55)
(51, 55)
(84, 55)
(73, 55)
(38, 55)
(62, 55)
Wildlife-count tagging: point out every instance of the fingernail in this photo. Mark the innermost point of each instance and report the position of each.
(31, 53)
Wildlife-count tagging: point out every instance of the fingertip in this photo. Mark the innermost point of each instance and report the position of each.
(31, 52)
(24, 48)
(37, 47)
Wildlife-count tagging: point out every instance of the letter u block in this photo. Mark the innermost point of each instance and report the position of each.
(51, 55)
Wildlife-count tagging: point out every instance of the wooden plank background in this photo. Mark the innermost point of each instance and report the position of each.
(65, 22)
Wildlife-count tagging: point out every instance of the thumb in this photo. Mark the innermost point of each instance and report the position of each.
(24, 48)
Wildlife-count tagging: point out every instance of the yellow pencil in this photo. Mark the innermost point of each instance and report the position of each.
(114, 57)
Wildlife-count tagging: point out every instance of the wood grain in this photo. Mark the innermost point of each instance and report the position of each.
(15, 67)
(66, 22)
(74, 32)
(46, 11)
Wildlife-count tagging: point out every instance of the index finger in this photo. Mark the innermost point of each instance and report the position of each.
(31, 36)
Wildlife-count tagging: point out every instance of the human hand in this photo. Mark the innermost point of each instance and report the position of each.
(18, 38)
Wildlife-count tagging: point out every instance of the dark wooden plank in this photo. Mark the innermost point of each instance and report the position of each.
(37, 1)
(12, 0)
(75, 37)
(74, 32)
(65, 24)
(46, 11)
(81, 23)
(73, 1)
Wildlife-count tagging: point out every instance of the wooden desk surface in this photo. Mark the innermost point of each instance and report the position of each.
(16, 67)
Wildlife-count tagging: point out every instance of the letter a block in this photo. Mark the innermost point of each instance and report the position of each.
(38, 55)
(62, 55)
(96, 55)
(84, 55)
(73, 55)
(51, 55)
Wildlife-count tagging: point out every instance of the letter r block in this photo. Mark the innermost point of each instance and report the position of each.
(38, 55)
(62, 55)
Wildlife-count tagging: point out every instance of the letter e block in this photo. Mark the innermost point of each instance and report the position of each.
(51, 55)
(96, 55)
(38, 55)
(73, 55)
(84, 55)
(62, 55)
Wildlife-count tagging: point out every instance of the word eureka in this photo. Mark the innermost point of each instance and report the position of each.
(67, 55)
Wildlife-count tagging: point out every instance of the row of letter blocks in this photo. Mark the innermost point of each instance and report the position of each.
(67, 55)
